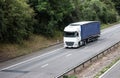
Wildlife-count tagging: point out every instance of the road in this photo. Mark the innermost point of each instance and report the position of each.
(58, 60)
(113, 72)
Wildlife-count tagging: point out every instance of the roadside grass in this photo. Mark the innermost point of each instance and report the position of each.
(69, 77)
(106, 68)
(103, 26)
(36, 43)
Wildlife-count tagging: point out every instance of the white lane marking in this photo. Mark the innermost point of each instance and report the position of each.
(44, 65)
(31, 59)
(109, 69)
(68, 55)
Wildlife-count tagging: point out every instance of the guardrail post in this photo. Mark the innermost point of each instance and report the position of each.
(97, 56)
(91, 60)
(83, 65)
(74, 70)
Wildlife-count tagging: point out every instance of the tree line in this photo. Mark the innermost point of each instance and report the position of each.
(19, 19)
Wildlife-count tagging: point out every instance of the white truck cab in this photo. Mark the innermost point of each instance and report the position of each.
(72, 35)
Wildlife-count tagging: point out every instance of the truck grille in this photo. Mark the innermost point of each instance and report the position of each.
(69, 43)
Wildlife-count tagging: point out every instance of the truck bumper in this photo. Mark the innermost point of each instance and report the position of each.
(70, 45)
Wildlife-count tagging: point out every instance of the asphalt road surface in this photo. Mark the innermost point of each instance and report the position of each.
(113, 72)
(58, 60)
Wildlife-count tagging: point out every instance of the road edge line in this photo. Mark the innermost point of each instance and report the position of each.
(109, 69)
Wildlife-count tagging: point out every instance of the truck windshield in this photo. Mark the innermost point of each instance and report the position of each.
(70, 34)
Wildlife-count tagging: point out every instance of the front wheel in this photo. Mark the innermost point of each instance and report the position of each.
(79, 44)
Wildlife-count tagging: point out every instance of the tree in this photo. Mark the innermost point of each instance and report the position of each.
(1, 19)
(16, 21)
(98, 10)
(49, 13)
(117, 5)
(52, 15)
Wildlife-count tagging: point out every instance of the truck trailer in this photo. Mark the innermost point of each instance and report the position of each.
(79, 33)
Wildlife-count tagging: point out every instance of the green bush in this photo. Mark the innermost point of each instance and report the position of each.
(98, 10)
(117, 5)
(50, 15)
(15, 21)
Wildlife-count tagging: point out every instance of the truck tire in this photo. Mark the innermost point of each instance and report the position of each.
(79, 44)
(84, 43)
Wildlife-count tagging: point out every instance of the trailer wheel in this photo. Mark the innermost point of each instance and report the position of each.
(85, 42)
(88, 40)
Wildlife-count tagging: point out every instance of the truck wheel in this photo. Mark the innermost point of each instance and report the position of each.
(85, 43)
(79, 44)
(88, 40)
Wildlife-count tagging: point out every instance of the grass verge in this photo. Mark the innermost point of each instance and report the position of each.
(36, 43)
(103, 26)
(69, 77)
(106, 68)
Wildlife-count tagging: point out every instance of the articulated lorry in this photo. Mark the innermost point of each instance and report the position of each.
(80, 33)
